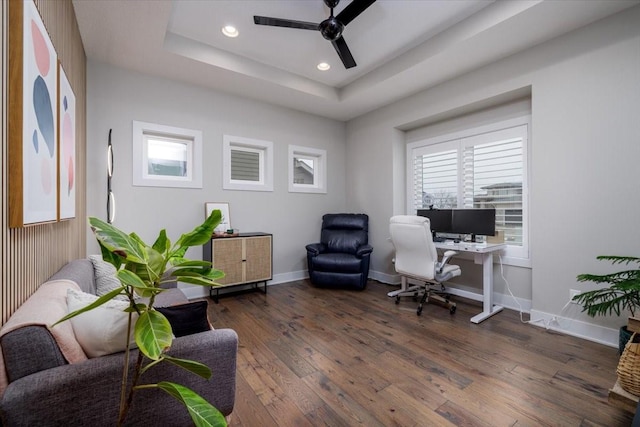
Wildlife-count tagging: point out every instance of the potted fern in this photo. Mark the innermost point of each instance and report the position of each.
(621, 294)
(142, 269)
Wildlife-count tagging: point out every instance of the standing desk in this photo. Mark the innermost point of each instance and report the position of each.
(483, 254)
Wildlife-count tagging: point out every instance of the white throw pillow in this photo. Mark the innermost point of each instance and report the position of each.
(105, 276)
(102, 330)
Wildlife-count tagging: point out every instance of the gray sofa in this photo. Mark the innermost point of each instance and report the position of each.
(45, 390)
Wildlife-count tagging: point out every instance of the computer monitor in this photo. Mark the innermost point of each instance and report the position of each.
(474, 221)
(439, 219)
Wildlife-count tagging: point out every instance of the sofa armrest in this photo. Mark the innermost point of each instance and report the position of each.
(364, 250)
(90, 391)
(314, 249)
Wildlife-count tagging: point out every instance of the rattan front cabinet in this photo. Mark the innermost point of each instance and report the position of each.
(245, 259)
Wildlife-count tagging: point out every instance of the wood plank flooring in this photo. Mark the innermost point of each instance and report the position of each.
(323, 357)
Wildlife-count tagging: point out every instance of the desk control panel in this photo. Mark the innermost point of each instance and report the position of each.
(471, 247)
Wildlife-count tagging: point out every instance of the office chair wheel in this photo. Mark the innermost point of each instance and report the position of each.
(452, 309)
(397, 300)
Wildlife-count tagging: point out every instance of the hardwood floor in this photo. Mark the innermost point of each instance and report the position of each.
(323, 357)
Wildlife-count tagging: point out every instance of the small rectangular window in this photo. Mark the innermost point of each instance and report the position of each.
(247, 164)
(166, 156)
(307, 170)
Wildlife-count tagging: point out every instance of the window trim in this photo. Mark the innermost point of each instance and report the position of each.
(514, 255)
(193, 138)
(264, 148)
(319, 173)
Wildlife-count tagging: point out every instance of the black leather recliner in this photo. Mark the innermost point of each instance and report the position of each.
(341, 259)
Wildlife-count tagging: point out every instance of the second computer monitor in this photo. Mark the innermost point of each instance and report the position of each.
(474, 221)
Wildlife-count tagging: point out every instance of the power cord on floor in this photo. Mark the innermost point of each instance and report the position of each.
(547, 323)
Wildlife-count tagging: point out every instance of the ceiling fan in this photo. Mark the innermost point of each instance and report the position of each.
(331, 28)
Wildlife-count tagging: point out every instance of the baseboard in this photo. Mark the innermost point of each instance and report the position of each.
(576, 328)
(389, 279)
(195, 292)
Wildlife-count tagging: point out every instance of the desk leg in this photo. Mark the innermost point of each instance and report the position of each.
(488, 309)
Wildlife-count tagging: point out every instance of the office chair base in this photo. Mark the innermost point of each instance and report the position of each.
(410, 291)
(444, 301)
(415, 296)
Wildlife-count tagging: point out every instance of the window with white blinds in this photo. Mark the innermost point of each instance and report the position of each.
(480, 168)
(247, 164)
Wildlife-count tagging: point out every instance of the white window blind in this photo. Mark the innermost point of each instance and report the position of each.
(486, 169)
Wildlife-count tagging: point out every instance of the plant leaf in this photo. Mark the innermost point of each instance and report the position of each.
(162, 243)
(110, 257)
(618, 259)
(117, 242)
(197, 368)
(199, 280)
(153, 334)
(131, 279)
(192, 263)
(203, 414)
(202, 233)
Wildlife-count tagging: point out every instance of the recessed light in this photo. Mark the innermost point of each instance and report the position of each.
(323, 66)
(230, 31)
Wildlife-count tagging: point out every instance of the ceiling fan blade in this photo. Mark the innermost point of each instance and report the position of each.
(278, 22)
(344, 53)
(355, 8)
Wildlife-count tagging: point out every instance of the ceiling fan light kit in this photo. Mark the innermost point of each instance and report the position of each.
(331, 28)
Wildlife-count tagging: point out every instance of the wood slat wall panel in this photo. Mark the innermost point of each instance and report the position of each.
(28, 256)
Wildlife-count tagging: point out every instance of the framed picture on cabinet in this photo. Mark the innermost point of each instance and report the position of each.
(225, 222)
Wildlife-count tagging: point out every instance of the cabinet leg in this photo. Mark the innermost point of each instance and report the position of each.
(215, 298)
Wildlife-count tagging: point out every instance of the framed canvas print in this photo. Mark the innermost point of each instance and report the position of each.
(66, 148)
(225, 223)
(33, 135)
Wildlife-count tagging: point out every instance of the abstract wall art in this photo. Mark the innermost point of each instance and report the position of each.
(67, 148)
(33, 135)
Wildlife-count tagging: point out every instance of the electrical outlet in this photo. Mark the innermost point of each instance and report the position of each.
(573, 293)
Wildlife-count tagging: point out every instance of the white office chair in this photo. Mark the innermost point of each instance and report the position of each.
(417, 258)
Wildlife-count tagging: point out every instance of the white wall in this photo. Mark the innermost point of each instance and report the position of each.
(117, 97)
(585, 88)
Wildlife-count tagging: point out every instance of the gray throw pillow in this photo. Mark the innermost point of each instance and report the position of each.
(105, 275)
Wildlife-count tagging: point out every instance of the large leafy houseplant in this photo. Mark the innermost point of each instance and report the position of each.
(623, 292)
(142, 270)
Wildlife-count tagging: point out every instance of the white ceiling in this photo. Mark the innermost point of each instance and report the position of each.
(401, 46)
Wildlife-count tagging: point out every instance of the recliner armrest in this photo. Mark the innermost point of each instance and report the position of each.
(316, 248)
(364, 250)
